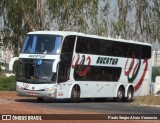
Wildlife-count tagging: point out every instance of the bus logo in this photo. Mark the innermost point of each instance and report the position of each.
(25, 85)
(107, 60)
(135, 72)
(79, 66)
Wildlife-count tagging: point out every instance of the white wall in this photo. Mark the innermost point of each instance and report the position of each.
(155, 87)
(155, 58)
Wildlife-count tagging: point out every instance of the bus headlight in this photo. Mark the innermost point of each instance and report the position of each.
(49, 89)
(18, 87)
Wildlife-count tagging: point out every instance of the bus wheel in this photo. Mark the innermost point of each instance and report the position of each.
(130, 93)
(40, 99)
(75, 94)
(120, 95)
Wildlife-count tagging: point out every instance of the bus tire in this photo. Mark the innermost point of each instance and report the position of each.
(40, 99)
(120, 95)
(130, 93)
(75, 93)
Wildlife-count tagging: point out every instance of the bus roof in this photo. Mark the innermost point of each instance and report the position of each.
(65, 33)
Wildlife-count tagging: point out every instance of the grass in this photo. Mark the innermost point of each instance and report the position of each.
(147, 100)
(7, 83)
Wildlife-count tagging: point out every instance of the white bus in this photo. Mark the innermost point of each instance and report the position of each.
(59, 64)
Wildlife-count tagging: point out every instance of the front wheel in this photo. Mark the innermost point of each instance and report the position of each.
(75, 94)
(40, 99)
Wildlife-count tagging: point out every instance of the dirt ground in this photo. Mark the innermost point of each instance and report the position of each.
(8, 105)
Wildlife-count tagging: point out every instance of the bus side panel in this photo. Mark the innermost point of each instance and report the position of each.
(99, 89)
(144, 88)
(63, 90)
(88, 89)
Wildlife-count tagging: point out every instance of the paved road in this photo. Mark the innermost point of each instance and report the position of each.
(94, 106)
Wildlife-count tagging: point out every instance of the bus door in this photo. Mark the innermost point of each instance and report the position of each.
(65, 64)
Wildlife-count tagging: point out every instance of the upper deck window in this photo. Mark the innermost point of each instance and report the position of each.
(49, 44)
(95, 46)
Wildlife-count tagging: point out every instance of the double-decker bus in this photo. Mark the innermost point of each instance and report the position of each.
(61, 64)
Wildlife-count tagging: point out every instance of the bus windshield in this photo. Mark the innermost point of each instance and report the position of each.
(35, 71)
(42, 43)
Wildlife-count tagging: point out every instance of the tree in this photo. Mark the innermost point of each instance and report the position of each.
(155, 22)
(20, 17)
(73, 15)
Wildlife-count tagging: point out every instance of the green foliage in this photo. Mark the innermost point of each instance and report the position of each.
(19, 18)
(155, 72)
(7, 83)
(73, 15)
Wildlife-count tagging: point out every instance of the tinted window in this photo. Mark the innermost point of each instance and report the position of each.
(99, 73)
(146, 52)
(31, 72)
(63, 73)
(68, 44)
(66, 59)
(87, 45)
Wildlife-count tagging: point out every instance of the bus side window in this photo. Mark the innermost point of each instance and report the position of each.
(137, 51)
(129, 52)
(82, 45)
(68, 44)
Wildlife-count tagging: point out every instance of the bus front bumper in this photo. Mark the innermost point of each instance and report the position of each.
(36, 93)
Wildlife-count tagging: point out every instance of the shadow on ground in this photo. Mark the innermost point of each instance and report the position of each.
(88, 100)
